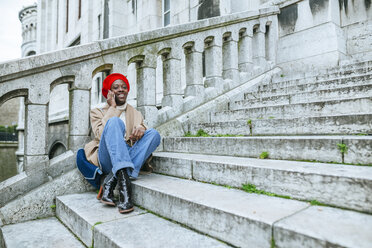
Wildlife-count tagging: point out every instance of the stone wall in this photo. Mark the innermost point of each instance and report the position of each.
(310, 35)
(9, 112)
(57, 138)
(356, 20)
(8, 160)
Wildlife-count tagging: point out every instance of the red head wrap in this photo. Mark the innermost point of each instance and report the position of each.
(106, 85)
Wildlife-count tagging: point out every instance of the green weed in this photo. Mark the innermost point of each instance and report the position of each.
(316, 203)
(264, 155)
(251, 188)
(343, 149)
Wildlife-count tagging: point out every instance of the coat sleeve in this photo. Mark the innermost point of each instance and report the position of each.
(99, 119)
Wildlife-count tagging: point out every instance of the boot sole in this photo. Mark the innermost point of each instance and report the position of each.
(108, 203)
(126, 210)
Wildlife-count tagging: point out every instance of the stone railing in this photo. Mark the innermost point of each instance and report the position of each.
(234, 48)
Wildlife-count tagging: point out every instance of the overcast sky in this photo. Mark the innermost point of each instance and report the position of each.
(10, 28)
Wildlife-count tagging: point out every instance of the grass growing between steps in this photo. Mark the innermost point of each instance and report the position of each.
(251, 188)
(60, 221)
(331, 162)
(202, 133)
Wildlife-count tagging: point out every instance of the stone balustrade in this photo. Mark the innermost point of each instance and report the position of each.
(231, 49)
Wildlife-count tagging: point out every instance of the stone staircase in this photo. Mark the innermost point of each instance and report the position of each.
(216, 192)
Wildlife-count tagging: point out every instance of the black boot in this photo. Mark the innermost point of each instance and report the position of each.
(108, 189)
(125, 204)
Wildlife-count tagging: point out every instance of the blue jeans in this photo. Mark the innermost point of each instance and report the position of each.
(114, 153)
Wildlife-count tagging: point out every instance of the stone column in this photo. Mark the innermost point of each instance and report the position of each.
(21, 129)
(230, 57)
(146, 82)
(79, 117)
(172, 87)
(194, 70)
(272, 40)
(259, 38)
(245, 50)
(36, 133)
(213, 62)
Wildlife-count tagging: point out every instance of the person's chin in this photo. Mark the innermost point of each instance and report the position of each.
(120, 102)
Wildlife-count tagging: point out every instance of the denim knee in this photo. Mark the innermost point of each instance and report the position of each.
(154, 135)
(115, 121)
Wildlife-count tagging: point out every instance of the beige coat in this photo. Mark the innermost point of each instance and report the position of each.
(98, 119)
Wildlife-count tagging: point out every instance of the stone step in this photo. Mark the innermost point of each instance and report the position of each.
(324, 227)
(328, 74)
(274, 89)
(243, 219)
(314, 109)
(100, 225)
(42, 233)
(309, 148)
(231, 215)
(340, 124)
(338, 185)
(305, 97)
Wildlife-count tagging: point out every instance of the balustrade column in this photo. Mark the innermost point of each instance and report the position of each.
(36, 133)
(272, 40)
(260, 58)
(146, 91)
(21, 130)
(245, 51)
(213, 62)
(230, 58)
(194, 70)
(79, 117)
(172, 87)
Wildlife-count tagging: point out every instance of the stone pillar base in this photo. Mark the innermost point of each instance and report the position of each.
(173, 101)
(76, 142)
(260, 61)
(232, 74)
(150, 114)
(194, 90)
(246, 67)
(35, 162)
(214, 82)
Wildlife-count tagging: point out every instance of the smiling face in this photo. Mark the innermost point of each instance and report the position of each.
(119, 88)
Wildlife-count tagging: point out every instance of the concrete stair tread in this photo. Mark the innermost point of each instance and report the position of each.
(40, 233)
(253, 206)
(307, 125)
(320, 226)
(287, 95)
(329, 74)
(148, 230)
(320, 108)
(345, 186)
(310, 85)
(244, 220)
(293, 137)
(322, 148)
(337, 170)
(91, 220)
(305, 118)
(307, 103)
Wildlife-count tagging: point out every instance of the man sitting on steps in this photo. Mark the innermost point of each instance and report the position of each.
(122, 142)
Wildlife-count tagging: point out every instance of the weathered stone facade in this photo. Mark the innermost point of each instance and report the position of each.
(292, 78)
